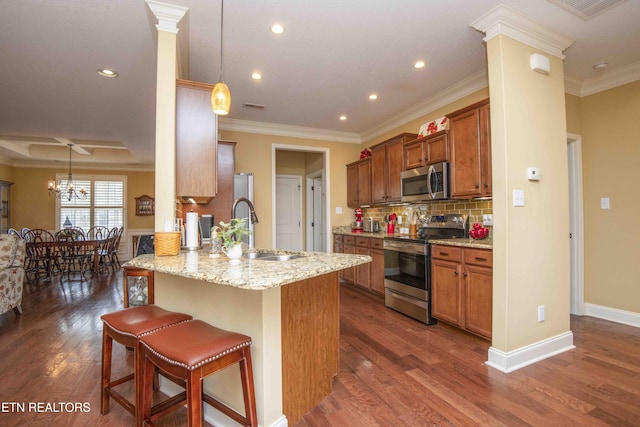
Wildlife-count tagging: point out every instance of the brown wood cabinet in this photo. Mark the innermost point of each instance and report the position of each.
(387, 161)
(426, 150)
(196, 141)
(462, 288)
(368, 276)
(470, 143)
(359, 183)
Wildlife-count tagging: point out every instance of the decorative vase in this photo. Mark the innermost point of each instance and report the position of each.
(234, 253)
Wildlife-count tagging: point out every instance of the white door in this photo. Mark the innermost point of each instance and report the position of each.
(288, 212)
(576, 224)
(318, 210)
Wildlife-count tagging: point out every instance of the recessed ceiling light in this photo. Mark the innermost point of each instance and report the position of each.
(277, 29)
(419, 64)
(600, 66)
(343, 118)
(256, 76)
(105, 72)
(373, 96)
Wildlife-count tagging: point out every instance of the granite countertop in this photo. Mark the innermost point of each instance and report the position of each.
(253, 274)
(466, 242)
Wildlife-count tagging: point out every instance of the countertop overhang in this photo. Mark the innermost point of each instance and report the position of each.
(252, 274)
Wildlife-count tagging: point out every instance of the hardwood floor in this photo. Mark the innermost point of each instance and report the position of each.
(394, 371)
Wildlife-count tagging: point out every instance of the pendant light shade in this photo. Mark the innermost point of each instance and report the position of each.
(221, 99)
(221, 95)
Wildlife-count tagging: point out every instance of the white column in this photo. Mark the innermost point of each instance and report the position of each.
(165, 165)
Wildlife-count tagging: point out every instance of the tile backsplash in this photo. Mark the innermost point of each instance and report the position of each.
(473, 208)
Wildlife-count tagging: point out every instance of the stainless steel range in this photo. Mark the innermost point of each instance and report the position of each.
(407, 265)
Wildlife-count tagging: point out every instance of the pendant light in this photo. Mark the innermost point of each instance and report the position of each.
(69, 190)
(221, 96)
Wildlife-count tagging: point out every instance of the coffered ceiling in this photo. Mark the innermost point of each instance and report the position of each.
(331, 57)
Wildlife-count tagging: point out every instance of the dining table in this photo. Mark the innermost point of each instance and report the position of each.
(53, 249)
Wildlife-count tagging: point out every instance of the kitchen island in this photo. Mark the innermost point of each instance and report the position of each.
(289, 308)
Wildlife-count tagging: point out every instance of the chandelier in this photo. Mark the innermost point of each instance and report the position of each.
(69, 191)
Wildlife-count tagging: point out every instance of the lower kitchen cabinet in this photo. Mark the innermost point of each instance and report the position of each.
(367, 276)
(462, 287)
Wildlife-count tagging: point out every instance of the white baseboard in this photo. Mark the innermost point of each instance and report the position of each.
(613, 314)
(516, 359)
(212, 415)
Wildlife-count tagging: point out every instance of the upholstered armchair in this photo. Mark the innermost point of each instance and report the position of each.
(12, 255)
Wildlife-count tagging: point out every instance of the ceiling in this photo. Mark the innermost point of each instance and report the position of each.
(332, 55)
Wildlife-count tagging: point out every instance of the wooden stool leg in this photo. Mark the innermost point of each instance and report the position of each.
(194, 398)
(107, 346)
(246, 374)
(147, 392)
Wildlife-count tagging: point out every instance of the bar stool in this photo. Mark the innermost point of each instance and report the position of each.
(192, 351)
(126, 327)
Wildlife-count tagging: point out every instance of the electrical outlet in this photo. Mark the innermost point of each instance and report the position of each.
(487, 220)
(541, 313)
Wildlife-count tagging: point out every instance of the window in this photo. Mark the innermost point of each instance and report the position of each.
(105, 203)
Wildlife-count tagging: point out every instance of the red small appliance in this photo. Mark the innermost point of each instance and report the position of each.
(358, 225)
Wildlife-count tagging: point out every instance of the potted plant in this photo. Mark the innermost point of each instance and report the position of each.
(230, 235)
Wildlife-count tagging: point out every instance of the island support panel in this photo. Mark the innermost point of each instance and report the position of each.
(310, 343)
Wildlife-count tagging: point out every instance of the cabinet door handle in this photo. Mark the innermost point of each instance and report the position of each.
(444, 254)
(486, 186)
(477, 185)
(456, 272)
(464, 274)
(480, 259)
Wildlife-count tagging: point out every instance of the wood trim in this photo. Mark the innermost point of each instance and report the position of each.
(194, 85)
(310, 343)
(468, 108)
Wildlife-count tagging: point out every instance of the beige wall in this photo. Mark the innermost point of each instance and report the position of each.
(611, 152)
(254, 154)
(34, 208)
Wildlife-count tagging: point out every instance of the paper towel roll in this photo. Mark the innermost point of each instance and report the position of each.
(192, 229)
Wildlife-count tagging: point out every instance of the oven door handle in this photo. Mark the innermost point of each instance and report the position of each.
(432, 170)
(414, 301)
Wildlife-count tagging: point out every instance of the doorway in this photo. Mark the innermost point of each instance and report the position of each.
(576, 223)
(304, 162)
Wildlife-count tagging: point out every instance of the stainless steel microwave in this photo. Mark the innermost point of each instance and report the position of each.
(429, 182)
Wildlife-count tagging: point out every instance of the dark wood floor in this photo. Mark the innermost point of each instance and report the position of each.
(394, 371)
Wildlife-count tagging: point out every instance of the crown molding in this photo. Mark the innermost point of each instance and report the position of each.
(459, 90)
(509, 22)
(572, 86)
(610, 79)
(77, 166)
(288, 130)
(168, 15)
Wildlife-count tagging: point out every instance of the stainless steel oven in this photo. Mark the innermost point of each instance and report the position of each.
(407, 265)
(429, 182)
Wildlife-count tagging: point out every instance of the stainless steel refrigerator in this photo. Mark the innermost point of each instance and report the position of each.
(243, 187)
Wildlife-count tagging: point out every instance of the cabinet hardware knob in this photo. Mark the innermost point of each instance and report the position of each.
(456, 273)
(477, 185)
(464, 274)
(486, 186)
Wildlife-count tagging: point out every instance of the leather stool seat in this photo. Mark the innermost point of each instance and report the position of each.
(127, 327)
(193, 351)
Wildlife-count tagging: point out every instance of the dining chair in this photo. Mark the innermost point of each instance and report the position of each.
(42, 255)
(104, 250)
(14, 232)
(98, 232)
(75, 253)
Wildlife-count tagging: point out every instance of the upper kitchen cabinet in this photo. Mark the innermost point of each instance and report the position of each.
(470, 144)
(359, 183)
(196, 141)
(386, 165)
(427, 150)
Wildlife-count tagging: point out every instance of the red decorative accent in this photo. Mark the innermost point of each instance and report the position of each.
(365, 153)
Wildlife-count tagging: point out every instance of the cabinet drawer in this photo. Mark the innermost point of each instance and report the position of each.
(337, 238)
(349, 240)
(362, 241)
(478, 257)
(450, 253)
(376, 243)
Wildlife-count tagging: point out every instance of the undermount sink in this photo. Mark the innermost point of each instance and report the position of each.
(270, 256)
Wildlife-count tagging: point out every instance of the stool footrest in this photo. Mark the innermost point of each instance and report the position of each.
(229, 412)
(121, 380)
(126, 404)
(169, 405)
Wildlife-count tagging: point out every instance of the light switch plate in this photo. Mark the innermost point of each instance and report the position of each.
(604, 203)
(518, 197)
(338, 210)
(533, 174)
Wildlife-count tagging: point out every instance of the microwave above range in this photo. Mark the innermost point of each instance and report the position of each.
(429, 182)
